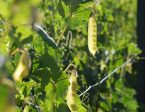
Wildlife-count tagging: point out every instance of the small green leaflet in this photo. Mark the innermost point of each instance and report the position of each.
(45, 36)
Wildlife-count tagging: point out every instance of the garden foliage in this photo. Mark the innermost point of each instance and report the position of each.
(55, 33)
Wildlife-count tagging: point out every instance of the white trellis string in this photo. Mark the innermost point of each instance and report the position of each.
(105, 78)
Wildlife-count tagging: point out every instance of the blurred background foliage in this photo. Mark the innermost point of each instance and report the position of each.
(44, 90)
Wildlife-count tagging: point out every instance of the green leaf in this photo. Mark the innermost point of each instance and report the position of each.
(27, 40)
(61, 86)
(79, 105)
(133, 49)
(48, 60)
(73, 4)
(63, 108)
(61, 9)
(3, 97)
(43, 75)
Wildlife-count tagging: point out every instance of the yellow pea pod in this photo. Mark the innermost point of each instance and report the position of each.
(23, 66)
(71, 93)
(92, 35)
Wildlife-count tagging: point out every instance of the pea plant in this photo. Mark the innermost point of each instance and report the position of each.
(68, 56)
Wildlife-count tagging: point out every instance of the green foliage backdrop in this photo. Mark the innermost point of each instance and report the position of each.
(44, 90)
